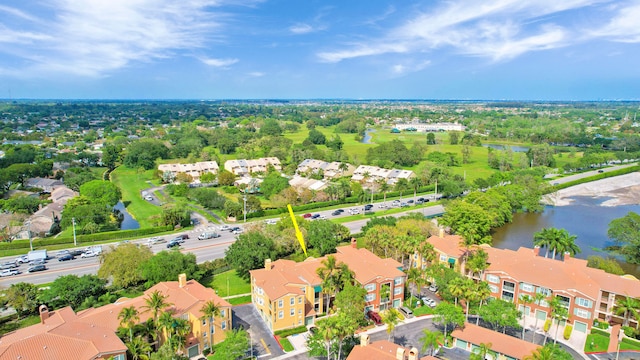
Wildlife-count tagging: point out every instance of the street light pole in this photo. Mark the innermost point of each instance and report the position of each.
(73, 221)
(29, 233)
(244, 198)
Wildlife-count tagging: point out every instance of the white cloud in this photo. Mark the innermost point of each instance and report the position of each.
(219, 62)
(498, 29)
(256, 74)
(409, 67)
(17, 13)
(301, 29)
(94, 37)
(623, 27)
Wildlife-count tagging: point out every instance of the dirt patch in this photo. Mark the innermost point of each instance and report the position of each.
(620, 190)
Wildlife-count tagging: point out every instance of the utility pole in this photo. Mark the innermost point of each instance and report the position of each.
(29, 233)
(73, 221)
(244, 198)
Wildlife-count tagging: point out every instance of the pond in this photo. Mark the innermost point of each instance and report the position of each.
(586, 218)
(128, 222)
(514, 148)
(367, 137)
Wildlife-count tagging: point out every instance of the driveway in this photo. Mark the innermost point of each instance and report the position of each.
(264, 345)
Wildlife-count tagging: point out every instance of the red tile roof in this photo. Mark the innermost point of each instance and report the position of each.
(501, 343)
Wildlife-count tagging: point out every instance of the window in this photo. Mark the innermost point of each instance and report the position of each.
(292, 301)
(494, 289)
(260, 301)
(508, 289)
(280, 303)
(204, 321)
(584, 302)
(443, 258)
(582, 313)
(369, 297)
(222, 313)
(397, 281)
(119, 357)
(564, 301)
(292, 312)
(299, 311)
(543, 291)
(280, 314)
(212, 329)
(223, 325)
(397, 291)
(204, 335)
(493, 279)
(526, 287)
(370, 287)
(300, 300)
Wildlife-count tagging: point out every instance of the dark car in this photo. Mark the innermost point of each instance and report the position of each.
(315, 216)
(183, 236)
(173, 243)
(178, 239)
(36, 268)
(600, 171)
(409, 201)
(375, 317)
(76, 252)
(66, 257)
(336, 213)
(368, 207)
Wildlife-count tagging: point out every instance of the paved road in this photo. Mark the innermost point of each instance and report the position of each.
(205, 250)
(588, 174)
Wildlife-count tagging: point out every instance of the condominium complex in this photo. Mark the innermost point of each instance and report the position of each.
(195, 170)
(242, 167)
(329, 170)
(372, 174)
(289, 294)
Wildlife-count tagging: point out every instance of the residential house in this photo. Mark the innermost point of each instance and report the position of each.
(62, 335)
(383, 350)
(47, 185)
(504, 347)
(186, 299)
(195, 170)
(289, 294)
(40, 222)
(330, 170)
(242, 167)
(372, 174)
(587, 293)
(300, 182)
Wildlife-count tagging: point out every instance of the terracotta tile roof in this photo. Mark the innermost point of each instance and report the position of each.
(367, 266)
(501, 343)
(61, 336)
(449, 244)
(378, 350)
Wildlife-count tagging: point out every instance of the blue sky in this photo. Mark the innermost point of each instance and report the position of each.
(356, 49)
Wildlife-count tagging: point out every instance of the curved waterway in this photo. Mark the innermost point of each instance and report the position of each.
(586, 219)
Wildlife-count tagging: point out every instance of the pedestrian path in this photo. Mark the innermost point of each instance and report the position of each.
(614, 338)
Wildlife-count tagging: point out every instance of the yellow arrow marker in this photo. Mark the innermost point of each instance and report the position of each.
(298, 233)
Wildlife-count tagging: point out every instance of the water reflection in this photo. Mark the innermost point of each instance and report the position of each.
(128, 222)
(585, 218)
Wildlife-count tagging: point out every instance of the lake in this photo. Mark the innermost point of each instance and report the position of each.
(513, 148)
(128, 222)
(586, 219)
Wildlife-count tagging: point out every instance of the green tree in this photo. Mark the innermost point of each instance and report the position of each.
(111, 155)
(167, 265)
(234, 346)
(549, 352)
(470, 221)
(100, 191)
(501, 313)
(273, 183)
(482, 352)
(316, 137)
(559, 313)
(556, 240)
(431, 139)
(448, 314)
(156, 303)
(23, 297)
(628, 306)
(270, 127)
(209, 311)
(609, 265)
(431, 340)
(226, 178)
(249, 252)
(138, 348)
(71, 290)
(351, 301)
(525, 300)
(122, 264)
(625, 231)
(325, 235)
(128, 317)
(144, 152)
(454, 137)
(391, 318)
(328, 272)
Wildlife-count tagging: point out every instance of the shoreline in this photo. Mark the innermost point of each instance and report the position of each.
(619, 190)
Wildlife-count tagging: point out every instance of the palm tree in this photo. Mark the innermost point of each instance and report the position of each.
(149, 331)
(344, 276)
(537, 298)
(628, 306)
(468, 295)
(343, 167)
(383, 186)
(481, 352)
(209, 310)
(549, 352)
(456, 287)
(556, 240)
(327, 272)
(477, 262)
(155, 303)
(391, 318)
(483, 292)
(401, 186)
(525, 300)
(415, 183)
(165, 322)
(558, 312)
(431, 340)
(181, 328)
(128, 318)
(139, 349)
(412, 276)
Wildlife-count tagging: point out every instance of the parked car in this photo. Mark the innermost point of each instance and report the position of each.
(173, 243)
(313, 329)
(433, 288)
(375, 317)
(306, 216)
(65, 257)
(88, 254)
(9, 272)
(36, 268)
(148, 198)
(428, 302)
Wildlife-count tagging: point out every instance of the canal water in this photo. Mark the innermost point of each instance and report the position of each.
(586, 218)
(128, 222)
(514, 148)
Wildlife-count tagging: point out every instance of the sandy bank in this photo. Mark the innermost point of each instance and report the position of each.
(620, 190)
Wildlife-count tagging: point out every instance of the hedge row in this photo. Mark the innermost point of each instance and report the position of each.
(288, 332)
(88, 238)
(600, 332)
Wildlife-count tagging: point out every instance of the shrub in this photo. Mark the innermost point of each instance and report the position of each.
(547, 325)
(287, 332)
(629, 331)
(600, 332)
(567, 332)
(601, 324)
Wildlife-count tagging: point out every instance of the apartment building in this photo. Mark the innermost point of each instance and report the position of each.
(330, 170)
(195, 169)
(242, 167)
(372, 174)
(587, 293)
(289, 294)
(62, 335)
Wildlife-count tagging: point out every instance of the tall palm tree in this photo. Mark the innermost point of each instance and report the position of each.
(483, 292)
(477, 262)
(344, 276)
(549, 352)
(481, 352)
(401, 186)
(469, 295)
(555, 240)
(383, 186)
(456, 287)
(343, 167)
(413, 276)
(391, 318)
(525, 300)
(138, 348)
(415, 183)
(327, 272)
(155, 303)
(559, 313)
(165, 322)
(431, 340)
(628, 306)
(537, 298)
(209, 310)
(128, 318)
(181, 328)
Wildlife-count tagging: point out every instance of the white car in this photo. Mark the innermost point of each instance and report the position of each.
(354, 211)
(148, 198)
(9, 272)
(428, 302)
(88, 254)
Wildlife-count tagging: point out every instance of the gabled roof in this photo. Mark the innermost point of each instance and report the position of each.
(501, 343)
(60, 336)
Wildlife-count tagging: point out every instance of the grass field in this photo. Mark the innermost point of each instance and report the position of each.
(229, 284)
(241, 300)
(131, 183)
(596, 342)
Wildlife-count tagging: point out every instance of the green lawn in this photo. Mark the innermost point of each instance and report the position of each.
(629, 344)
(596, 342)
(286, 344)
(240, 300)
(131, 183)
(229, 284)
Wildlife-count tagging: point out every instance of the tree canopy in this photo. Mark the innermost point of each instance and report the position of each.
(625, 231)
